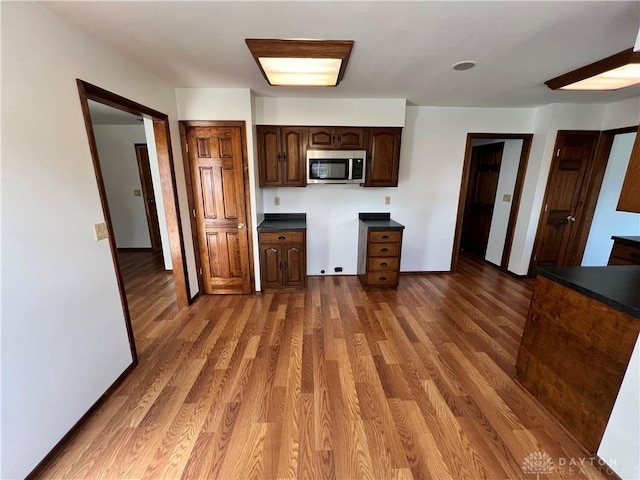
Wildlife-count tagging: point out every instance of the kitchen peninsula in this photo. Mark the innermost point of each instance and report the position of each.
(581, 329)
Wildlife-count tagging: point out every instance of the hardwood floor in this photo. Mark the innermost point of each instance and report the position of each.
(332, 383)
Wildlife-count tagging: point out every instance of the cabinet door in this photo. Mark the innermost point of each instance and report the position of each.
(269, 156)
(293, 157)
(384, 157)
(321, 137)
(270, 265)
(349, 138)
(295, 273)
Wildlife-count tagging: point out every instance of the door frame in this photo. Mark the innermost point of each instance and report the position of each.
(581, 236)
(151, 219)
(184, 124)
(600, 162)
(527, 139)
(162, 135)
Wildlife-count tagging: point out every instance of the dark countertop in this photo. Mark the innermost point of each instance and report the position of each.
(380, 221)
(283, 221)
(633, 241)
(615, 286)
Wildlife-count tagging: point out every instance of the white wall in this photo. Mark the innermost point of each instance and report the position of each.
(620, 445)
(226, 104)
(371, 112)
(157, 192)
(506, 185)
(607, 221)
(121, 177)
(64, 340)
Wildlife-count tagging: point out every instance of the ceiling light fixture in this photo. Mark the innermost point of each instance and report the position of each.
(618, 71)
(464, 65)
(301, 63)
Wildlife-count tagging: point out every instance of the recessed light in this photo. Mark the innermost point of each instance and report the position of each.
(464, 65)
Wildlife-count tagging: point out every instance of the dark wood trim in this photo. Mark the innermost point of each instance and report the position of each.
(184, 124)
(172, 211)
(515, 201)
(427, 272)
(134, 249)
(144, 165)
(93, 147)
(87, 92)
(59, 447)
(616, 60)
(527, 139)
(603, 151)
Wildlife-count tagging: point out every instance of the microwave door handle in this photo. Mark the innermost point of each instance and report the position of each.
(350, 173)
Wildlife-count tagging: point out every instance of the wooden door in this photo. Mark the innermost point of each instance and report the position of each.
(483, 184)
(271, 266)
(562, 208)
(294, 266)
(294, 173)
(216, 166)
(148, 196)
(269, 155)
(384, 157)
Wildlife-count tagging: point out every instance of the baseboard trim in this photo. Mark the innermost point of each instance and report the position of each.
(135, 249)
(427, 272)
(55, 451)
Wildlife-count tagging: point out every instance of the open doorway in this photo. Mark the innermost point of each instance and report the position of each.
(159, 125)
(490, 190)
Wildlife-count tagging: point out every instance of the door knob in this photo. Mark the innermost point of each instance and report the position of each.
(571, 218)
(240, 226)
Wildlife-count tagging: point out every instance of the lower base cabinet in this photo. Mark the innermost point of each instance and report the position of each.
(379, 257)
(283, 260)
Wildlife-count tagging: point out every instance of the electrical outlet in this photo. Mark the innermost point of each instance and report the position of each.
(337, 269)
(100, 231)
(387, 200)
(276, 200)
(506, 197)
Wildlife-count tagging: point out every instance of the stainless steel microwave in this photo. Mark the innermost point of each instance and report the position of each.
(336, 166)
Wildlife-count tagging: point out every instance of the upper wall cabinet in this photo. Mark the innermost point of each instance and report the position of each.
(336, 138)
(630, 193)
(383, 160)
(281, 156)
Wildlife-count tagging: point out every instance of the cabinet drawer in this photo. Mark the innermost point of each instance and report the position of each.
(384, 264)
(382, 278)
(384, 249)
(281, 237)
(625, 254)
(384, 236)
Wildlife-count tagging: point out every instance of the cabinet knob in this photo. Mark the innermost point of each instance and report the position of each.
(382, 279)
(385, 237)
(385, 249)
(282, 237)
(384, 264)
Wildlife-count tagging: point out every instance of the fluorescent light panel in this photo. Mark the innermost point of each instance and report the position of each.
(620, 70)
(301, 62)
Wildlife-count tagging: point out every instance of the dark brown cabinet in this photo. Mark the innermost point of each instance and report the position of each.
(336, 138)
(625, 251)
(379, 250)
(281, 156)
(283, 260)
(630, 194)
(383, 159)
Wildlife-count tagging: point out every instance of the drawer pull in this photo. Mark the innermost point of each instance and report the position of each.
(282, 237)
(382, 279)
(385, 249)
(384, 264)
(385, 237)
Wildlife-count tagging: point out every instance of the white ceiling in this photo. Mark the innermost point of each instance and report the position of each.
(402, 49)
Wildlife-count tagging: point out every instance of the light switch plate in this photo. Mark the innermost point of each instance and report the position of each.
(100, 231)
(137, 193)
(276, 200)
(506, 197)
(387, 200)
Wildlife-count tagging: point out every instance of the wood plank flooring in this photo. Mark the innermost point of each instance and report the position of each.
(332, 383)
